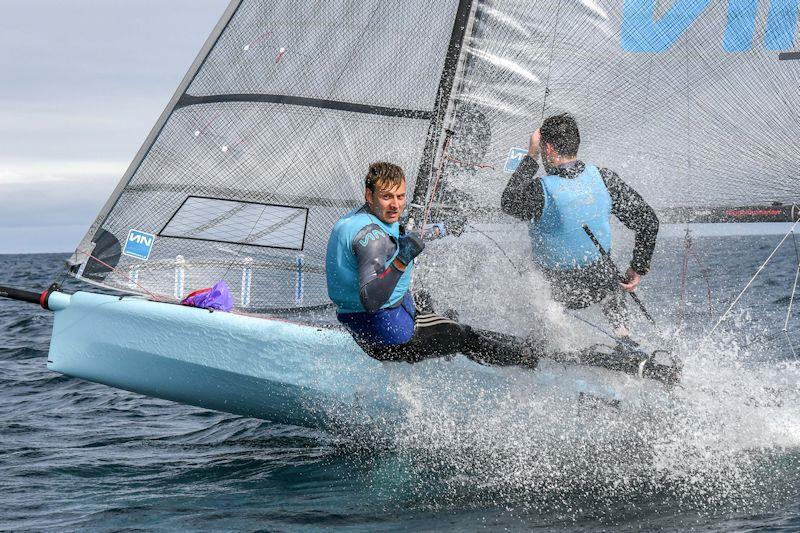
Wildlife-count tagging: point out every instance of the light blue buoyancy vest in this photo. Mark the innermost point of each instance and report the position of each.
(557, 238)
(341, 264)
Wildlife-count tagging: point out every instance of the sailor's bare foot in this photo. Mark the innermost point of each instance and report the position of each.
(621, 331)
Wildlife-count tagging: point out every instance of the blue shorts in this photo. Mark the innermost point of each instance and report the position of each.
(386, 327)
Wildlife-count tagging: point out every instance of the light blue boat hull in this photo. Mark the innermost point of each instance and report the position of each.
(263, 368)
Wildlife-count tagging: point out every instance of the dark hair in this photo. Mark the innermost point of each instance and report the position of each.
(561, 132)
(387, 174)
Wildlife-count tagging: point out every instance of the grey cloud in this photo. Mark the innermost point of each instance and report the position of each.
(82, 81)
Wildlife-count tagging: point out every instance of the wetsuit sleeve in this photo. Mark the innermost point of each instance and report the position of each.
(523, 197)
(376, 282)
(631, 209)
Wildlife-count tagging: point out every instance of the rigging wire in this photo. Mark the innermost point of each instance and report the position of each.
(704, 271)
(550, 63)
(122, 274)
(439, 172)
(684, 273)
(791, 299)
(749, 283)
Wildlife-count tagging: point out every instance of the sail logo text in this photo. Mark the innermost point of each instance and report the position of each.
(515, 157)
(373, 235)
(641, 32)
(139, 244)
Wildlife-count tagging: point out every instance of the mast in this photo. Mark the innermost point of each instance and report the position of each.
(444, 107)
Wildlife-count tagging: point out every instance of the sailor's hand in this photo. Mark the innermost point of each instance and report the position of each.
(533, 145)
(437, 230)
(630, 281)
(409, 246)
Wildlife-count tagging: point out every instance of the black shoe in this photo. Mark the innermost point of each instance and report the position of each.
(626, 345)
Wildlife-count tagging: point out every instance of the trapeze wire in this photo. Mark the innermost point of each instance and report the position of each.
(749, 283)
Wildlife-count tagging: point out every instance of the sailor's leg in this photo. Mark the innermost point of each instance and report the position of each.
(635, 363)
(437, 336)
(616, 312)
(434, 336)
(501, 349)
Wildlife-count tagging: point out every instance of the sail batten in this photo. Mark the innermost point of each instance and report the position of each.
(188, 100)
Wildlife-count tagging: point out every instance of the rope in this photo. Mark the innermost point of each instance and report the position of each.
(749, 283)
(122, 274)
(598, 328)
(432, 195)
(550, 63)
(513, 264)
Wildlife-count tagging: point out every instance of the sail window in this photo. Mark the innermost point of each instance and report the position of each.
(237, 222)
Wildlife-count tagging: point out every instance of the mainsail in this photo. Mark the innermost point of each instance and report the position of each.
(265, 144)
(695, 103)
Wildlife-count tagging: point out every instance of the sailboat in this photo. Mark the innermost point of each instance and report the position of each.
(263, 147)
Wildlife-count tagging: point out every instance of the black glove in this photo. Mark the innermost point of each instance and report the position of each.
(409, 246)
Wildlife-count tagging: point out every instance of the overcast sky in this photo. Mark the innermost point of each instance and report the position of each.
(81, 84)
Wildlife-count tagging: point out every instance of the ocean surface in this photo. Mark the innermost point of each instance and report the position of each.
(719, 453)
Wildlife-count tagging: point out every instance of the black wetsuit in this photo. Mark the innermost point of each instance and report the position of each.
(437, 336)
(523, 198)
(433, 335)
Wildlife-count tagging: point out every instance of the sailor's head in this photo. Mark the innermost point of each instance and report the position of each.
(385, 191)
(559, 140)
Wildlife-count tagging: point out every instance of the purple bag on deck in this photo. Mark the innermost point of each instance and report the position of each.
(217, 297)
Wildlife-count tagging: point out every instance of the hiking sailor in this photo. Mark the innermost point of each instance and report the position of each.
(558, 204)
(369, 262)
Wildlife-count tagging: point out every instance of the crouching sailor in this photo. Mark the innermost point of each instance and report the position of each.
(571, 196)
(369, 263)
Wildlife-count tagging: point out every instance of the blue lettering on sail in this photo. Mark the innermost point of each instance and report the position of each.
(741, 25)
(641, 32)
(781, 24)
(139, 244)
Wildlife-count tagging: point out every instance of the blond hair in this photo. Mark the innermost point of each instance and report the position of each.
(386, 175)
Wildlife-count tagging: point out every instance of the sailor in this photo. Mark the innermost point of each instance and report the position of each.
(369, 262)
(557, 205)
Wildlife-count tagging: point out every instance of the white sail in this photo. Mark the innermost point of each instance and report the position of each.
(695, 103)
(692, 102)
(265, 145)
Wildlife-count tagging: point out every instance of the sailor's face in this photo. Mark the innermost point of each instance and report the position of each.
(387, 203)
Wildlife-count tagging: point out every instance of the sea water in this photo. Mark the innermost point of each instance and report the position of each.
(720, 452)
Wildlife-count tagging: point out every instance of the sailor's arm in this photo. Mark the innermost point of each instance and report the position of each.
(631, 209)
(376, 281)
(523, 197)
